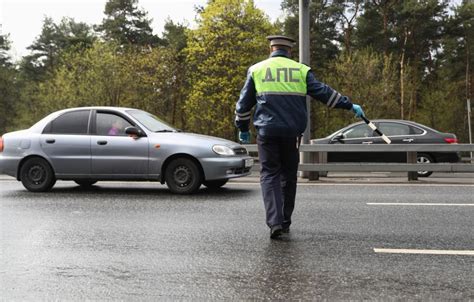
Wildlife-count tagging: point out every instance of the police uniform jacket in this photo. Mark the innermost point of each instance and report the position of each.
(277, 87)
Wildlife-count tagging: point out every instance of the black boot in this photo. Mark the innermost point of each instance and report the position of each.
(276, 231)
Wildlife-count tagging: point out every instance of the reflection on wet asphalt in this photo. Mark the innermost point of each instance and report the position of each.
(141, 242)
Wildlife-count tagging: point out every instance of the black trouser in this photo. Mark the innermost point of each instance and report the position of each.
(279, 160)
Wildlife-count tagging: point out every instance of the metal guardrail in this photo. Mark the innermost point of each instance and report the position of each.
(379, 148)
(319, 158)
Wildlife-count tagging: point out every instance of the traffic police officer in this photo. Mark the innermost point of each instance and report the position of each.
(277, 87)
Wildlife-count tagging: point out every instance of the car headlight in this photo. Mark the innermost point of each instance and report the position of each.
(223, 150)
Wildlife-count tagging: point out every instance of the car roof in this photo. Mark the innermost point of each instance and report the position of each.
(38, 126)
(393, 121)
(97, 108)
(407, 122)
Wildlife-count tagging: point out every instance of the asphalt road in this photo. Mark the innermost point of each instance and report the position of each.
(133, 241)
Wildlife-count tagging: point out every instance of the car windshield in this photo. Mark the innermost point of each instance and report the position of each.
(150, 121)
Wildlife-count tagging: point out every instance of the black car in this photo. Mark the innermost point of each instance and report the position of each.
(399, 132)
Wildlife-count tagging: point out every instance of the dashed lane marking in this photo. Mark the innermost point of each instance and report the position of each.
(365, 184)
(420, 204)
(424, 252)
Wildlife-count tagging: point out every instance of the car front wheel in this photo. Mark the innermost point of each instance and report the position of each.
(424, 159)
(183, 176)
(37, 175)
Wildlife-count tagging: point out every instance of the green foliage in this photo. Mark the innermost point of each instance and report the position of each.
(324, 16)
(8, 86)
(126, 24)
(229, 38)
(96, 76)
(8, 95)
(369, 79)
(4, 48)
(174, 35)
(54, 39)
(104, 76)
(439, 107)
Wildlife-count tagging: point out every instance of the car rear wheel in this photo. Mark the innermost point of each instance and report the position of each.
(423, 158)
(215, 184)
(85, 183)
(183, 176)
(37, 175)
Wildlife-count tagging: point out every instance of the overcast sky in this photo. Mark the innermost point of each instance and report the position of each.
(23, 19)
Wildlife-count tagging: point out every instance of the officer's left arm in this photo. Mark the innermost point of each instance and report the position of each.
(245, 104)
(326, 94)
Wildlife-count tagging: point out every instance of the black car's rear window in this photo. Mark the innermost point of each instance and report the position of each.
(392, 129)
(416, 130)
(76, 122)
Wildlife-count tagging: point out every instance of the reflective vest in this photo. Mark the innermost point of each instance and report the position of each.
(280, 75)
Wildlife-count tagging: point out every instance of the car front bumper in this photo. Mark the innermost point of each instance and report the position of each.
(226, 167)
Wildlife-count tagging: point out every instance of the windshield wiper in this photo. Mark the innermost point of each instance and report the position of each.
(165, 130)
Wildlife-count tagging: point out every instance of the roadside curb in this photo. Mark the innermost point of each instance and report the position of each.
(370, 181)
(367, 178)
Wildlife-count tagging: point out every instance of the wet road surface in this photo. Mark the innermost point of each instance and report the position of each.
(138, 241)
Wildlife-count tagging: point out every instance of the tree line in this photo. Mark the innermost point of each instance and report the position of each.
(407, 59)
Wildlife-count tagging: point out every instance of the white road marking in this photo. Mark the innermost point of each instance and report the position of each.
(425, 252)
(362, 184)
(420, 204)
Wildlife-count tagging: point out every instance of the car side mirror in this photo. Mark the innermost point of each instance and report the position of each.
(339, 138)
(133, 131)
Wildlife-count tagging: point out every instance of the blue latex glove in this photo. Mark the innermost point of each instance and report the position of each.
(244, 137)
(357, 110)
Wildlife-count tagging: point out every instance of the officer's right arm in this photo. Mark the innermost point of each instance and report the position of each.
(247, 100)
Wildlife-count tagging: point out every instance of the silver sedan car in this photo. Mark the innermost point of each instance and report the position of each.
(90, 144)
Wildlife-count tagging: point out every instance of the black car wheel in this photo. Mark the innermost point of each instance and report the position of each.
(37, 175)
(215, 184)
(85, 183)
(183, 176)
(423, 158)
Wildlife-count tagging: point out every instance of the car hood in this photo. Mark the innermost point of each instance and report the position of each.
(193, 139)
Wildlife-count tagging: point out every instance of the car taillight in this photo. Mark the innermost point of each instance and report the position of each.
(1, 144)
(451, 140)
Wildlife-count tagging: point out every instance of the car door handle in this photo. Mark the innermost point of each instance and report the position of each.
(408, 140)
(101, 143)
(50, 141)
(367, 143)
